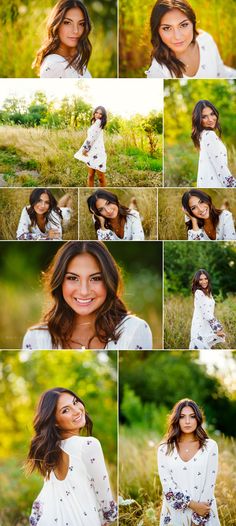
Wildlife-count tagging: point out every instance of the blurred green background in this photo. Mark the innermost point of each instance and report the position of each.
(146, 200)
(23, 300)
(135, 35)
(171, 223)
(180, 155)
(12, 201)
(23, 28)
(182, 260)
(24, 377)
(150, 384)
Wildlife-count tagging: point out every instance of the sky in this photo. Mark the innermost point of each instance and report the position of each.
(124, 97)
(221, 363)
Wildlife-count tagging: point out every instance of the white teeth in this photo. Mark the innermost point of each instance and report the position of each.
(84, 302)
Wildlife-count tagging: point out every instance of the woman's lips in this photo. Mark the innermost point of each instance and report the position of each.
(82, 302)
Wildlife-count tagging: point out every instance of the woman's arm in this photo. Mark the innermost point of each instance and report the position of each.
(177, 498)
(213, 148)
(207, 494)
(23, 229)
(92, 135)
(228, 226)
(207, 311)
(93, 459)
(137, 233)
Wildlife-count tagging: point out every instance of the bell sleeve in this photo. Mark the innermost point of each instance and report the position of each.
(207, 494)
(93, 459)
(137, 233)
(228, 226)
(92, 135)
(217, 158)
(207, 311)
(175, 496)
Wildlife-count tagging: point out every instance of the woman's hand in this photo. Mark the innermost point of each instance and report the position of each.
(201, 508)
(53, 234)
(101, 221)
(84, 152)
(193, 219)
(220, 333)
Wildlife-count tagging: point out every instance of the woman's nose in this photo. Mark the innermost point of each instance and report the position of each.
(84, 287)
(177, 33)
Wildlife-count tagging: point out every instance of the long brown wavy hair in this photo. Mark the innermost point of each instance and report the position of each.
(52, 41)
(60, 318)
(196, 285)
(213, 211)
(123, 211)
(161, 52)
(45, 452)
(197, 127)
(34, 199)
(174, 432)
(104, 116)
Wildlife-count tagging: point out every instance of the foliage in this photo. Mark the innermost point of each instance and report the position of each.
(135, 35)
(24, 377)
(13, 201)
(171, 223)
(181, 157)
(145, 198)
(22, 19)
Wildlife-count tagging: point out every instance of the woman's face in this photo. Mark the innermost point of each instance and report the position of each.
(70, 414)
(208, 118)
(187, 420)
(199, 208)
(71, 28)
(98, 114)
(83, 287)
(203, 281)
(106, 208)
(176, 31)
(42, 205)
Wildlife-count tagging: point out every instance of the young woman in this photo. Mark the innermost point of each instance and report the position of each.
(187, 466)
(204, 221)
(92, 151)
(112, 220)
(76, 487)
(87, 311)
(206, 330)
(213, 171)
(42, 219)
(179, 49)
(67, 49)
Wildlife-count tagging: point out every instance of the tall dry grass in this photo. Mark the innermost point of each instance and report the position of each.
(178, 312)
(171, 223)
(12, 201)
(51, 153)
(146, 204)
(139, 479)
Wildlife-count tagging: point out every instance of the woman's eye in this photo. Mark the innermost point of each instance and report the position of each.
(72, 278)
(166, 28)
(96, 278)
(66, 22)
(185, 24)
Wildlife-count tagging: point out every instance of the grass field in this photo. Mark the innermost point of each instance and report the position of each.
(181, 164)
(12, 201)
(178, 312)
(139, 479)
(37, 157)
(146, 199)
(171, 224)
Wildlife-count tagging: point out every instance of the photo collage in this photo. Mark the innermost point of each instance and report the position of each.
(118, 263)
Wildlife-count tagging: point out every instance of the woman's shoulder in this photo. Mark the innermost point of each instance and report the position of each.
(208, 134)
(37, 337)
(76, 444)
(157, 70)
(211, 445)
(132, 321)
(133, 214)
(204, 38)
(225, 214)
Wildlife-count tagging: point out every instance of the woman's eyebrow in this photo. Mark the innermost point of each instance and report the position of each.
(169, 25)
(70, 19)
(77, 275)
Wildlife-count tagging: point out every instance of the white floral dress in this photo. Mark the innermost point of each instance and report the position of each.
(204, 324)
(213, 171)
(225, 230)
(135, 334)
(133, 230)
(94, 146)
(56, 66)
(84, 497)
(184, 481)
(27, 232)
(210, 66)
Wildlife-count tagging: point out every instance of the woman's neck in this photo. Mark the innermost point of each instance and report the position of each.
(187, 437)
(66, 52)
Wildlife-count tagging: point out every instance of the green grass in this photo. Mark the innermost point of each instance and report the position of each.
(178, 312)
(50, 155)
(139, 479)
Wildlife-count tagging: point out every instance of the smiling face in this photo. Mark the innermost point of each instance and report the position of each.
(107, 209)
(98, 114)
(70, 415)
(83, 287)
(208, 118)
(42, 206)
(176, 31)
(203, 281)
(71, 29)
(187, 420)
(199, 208)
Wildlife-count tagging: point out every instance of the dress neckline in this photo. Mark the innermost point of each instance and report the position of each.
(187, 461)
